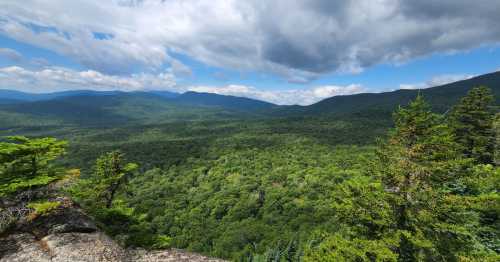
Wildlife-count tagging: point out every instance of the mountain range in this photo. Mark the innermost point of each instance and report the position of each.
(116, 107)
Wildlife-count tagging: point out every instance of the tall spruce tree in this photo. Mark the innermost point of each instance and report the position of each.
(472, 124)
(419, 159)
(496, 127)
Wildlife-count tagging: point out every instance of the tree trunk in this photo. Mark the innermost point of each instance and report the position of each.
(112, 193)
(34, 168)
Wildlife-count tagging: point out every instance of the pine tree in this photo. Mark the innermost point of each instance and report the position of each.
(472, 123)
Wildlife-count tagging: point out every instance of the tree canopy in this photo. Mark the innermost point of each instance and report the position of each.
(314, 189)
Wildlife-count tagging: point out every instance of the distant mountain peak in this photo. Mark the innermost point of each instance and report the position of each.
(225, 101)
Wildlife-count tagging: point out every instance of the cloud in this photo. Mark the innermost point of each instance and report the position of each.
(52, 79)
(39, 62)
(437, 81)
(180, 69)
(13, 57)
(10, 54)
(281, 97)
(308, 39)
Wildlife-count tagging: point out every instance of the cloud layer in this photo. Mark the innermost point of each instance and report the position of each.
(298, 40)
(51, 79)
(282, 97)
(437, 81)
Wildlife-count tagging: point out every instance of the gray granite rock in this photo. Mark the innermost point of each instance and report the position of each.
(22, 248)
(67, 235)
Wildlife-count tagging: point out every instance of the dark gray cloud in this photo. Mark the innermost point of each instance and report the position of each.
(296, 39)
(322, 36)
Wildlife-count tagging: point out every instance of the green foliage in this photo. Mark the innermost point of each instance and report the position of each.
(109, 174)
(42, 208)
(417, 164)
(293, 189)
(442, 207)
(25, 162)
(337, 248)
(162, 241)
(472, 124)
(247, 201)
(496, 127)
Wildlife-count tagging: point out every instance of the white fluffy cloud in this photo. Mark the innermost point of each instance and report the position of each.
(52, 79)
(436, 81)
(282, 97)
(298, 40)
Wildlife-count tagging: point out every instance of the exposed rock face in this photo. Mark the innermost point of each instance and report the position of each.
(82, 247)
(22, 247)
(67, 234)
(61, 247)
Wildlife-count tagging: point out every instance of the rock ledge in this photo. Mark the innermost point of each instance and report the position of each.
(67, 234)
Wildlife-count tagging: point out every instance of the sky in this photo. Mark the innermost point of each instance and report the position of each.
(281, 51)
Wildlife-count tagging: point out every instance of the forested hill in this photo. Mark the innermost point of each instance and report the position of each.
(439, 97)
(187, 98)
(25, 97)
(114, 108)
(85, 107)
(224, 101)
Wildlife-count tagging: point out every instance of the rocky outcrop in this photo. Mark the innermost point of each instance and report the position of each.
(67, 234)
(60, 247)
(82, 247)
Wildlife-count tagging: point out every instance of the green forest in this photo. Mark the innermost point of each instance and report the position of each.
(422, 185)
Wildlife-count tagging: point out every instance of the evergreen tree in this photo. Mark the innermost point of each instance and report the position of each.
(472, 123)
(110, 173)
(29, 156)
(419, 159)
(26, 162)
(100, 188)
(496, 126)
